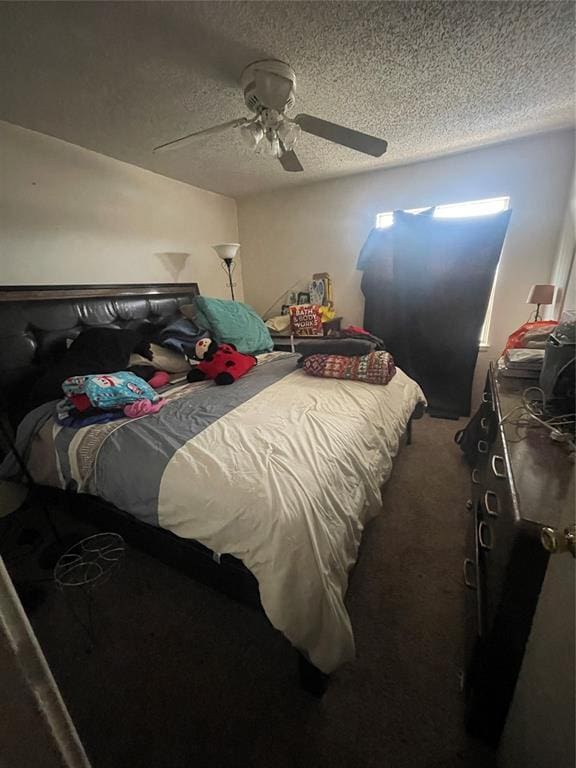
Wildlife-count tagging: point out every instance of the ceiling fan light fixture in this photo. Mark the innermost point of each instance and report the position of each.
(272, 143)
(274, 149)
(251, 135)
(269, 88)
(288, 133)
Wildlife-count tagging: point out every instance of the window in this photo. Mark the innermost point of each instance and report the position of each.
(456, 211)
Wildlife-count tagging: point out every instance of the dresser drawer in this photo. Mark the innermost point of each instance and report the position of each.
(473, 577)
(496, 533)
(487, 434)
(488, 419)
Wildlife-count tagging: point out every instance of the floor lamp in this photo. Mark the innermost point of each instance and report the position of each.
(227, 252)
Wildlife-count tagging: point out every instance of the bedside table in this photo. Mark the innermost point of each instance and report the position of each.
(282, 343)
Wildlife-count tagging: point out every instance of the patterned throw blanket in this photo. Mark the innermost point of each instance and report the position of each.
(374, 368)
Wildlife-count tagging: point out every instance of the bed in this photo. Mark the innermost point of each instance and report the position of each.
(261, 488)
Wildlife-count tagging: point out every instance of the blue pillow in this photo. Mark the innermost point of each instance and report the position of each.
(231, 322)
(181, 335)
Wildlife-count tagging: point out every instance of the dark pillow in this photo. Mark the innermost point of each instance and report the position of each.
(97, 350)
(329, 346)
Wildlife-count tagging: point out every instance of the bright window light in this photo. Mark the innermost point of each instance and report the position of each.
(384, 220)
(453, 210)
(474, 208)
(485, 332)
(485, 207)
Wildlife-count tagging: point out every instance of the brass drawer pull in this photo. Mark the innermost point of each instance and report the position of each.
(555, 541)
(470, 583)
(476, 476)
(483, 446)
(491, 503)
(499, 466)
(485, 535)
(484, 423)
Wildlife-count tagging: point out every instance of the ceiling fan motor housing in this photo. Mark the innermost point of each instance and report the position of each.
(275, 68)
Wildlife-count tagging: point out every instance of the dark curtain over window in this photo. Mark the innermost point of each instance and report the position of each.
(427, 284)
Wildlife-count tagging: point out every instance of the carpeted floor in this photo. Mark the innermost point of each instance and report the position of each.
(182, 676)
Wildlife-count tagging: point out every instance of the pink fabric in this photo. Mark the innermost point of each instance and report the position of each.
(142, 408)
(160, 379)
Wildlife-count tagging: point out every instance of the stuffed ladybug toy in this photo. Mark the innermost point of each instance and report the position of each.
(220, 362)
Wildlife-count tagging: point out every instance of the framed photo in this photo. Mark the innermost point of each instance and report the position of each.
(303, 297)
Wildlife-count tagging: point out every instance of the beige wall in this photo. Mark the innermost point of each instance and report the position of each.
(69, 215)
(288, 235)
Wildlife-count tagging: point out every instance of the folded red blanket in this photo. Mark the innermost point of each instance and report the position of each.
(374, 368)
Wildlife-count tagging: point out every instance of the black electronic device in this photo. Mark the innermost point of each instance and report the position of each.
(557, 377)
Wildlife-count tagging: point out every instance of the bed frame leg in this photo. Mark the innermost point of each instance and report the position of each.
(312, 680)
(409, 432)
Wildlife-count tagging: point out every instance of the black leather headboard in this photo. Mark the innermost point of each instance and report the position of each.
(35, 322)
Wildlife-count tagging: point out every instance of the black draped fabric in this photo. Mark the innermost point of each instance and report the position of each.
(427, 284)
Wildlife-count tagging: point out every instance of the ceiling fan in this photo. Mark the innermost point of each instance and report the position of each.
(269, 88)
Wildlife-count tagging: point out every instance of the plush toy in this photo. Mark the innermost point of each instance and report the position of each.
(220, 362)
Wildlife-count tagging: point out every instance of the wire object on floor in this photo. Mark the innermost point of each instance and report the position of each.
(89, 562)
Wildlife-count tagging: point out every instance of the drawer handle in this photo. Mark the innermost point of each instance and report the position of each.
(476, 476)
(485, 535)
(486, 397)
(483, 446)
(491, 503)
(470, 583)
(499, 466)
(484, 423)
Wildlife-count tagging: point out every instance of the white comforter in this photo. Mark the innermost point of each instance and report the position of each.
(300, 469)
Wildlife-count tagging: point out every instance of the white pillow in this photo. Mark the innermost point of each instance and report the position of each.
(163, 360)
(279, 325)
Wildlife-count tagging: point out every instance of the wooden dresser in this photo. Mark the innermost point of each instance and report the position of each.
(521, 482)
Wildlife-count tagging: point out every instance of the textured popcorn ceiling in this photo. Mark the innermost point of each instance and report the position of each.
(430, 77)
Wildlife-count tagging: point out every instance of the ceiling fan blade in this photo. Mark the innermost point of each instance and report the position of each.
(177, 143)
(361, 142)
(271, 89)
(289, 161)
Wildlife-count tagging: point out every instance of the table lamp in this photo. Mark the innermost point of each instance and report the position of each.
(227, 252)
(539, 295)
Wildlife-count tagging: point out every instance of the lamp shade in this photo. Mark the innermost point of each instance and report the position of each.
(226, 250)
(541, 294)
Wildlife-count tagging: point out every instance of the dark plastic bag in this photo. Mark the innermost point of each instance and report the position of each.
(468, 437)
